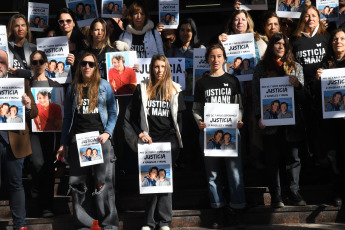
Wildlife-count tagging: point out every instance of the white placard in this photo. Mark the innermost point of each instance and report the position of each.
(289, 8)
(240, 54)
(111, 9)
(200, 65)
(144, 69)
(155, 157)
(277, 101)
(169, 13)
(89, 149)
(38, 16)
(328, 9)
(57, 50)
(333, 91)
(221, 134)
(85, 11)
(12, 111)
(253, 5)
(121, 74)
(49, 103)
(3, 41)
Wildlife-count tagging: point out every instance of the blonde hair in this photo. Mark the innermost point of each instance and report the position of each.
(163, 88)
(93, 84)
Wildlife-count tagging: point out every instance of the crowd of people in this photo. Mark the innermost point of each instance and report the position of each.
(301, 49)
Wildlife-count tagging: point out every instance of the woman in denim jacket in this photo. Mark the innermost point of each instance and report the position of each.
(90, 106)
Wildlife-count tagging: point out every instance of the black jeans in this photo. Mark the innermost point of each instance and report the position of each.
(280, 152)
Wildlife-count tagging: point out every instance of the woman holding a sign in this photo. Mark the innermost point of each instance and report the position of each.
(334, 128)
(140, 34)
(217, 86)
(281, 143)
(43, 150)
(90, 106)
(159, 93)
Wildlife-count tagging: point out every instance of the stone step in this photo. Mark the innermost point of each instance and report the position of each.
(185, 219)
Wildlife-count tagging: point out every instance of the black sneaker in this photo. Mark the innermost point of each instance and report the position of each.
(219, 219)
(296, 199)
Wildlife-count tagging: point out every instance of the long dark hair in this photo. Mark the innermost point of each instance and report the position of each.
(77, 36)
(269, 54)
(329, 59)
(301, 23)
(194, 43)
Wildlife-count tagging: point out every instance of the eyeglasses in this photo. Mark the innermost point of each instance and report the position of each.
(35, 62)
(90, 63)
(61, 21)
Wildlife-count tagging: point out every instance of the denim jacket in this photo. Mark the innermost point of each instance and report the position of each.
(106, 105)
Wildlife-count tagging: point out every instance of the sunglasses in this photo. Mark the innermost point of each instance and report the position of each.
(90, 63)
(68, 21)
(35, 62)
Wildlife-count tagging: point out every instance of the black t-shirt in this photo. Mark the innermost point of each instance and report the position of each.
(138, 45)
(16, 63)
(220, 89)
(85, 121)
(309, 53)
(160, 119)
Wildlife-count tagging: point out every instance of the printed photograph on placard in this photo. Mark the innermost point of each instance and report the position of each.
(242, 66)
(155, 175)
(111, 9)
(169, 13)
(49, 103)
(58, 68)
(11, 112)
(85, 11)
(277, 108)
(253, 5)
(289, 8)
(221, 139)
(121, 74)
(169, 18)
(38, 16)
(328, 9)
(90, 153)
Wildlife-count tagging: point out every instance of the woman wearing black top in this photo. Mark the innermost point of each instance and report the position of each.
(159, 92)
(334, 58)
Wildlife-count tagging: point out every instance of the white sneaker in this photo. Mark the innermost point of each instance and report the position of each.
(164, 228)
(146, 228)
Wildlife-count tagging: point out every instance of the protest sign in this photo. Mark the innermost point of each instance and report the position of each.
(12, 110)
(277, 101)
(200, 65)
(221, 134)
(89, 149)
(328, 9)
(155, 170)
(289, 8)
(111, 9)
(240, 54)
(169, 13)
(85, 11)
(49, 103)
(38, 16)
(253, 5)
(333, 91)
(57, 50)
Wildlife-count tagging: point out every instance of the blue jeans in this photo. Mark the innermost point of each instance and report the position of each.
(12, 168)
(234, 174)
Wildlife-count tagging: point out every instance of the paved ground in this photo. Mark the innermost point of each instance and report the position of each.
(333, 226)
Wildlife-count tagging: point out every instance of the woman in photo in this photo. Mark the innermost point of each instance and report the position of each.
(246, 68)
(273, 110)
(151, 178)
(88, 13)
(334, 103)
(223, 82)
(61, 70)
(216, 141)
(95, 155)
(4, 110)
(158, 93)
(109, 8)
(227, 144)
(140, 34)
(122, 78)
(334, 58)
(281, 143)
(284, 113)
(87, 155)
(79, 11)
(43, 173)
(90, 106)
